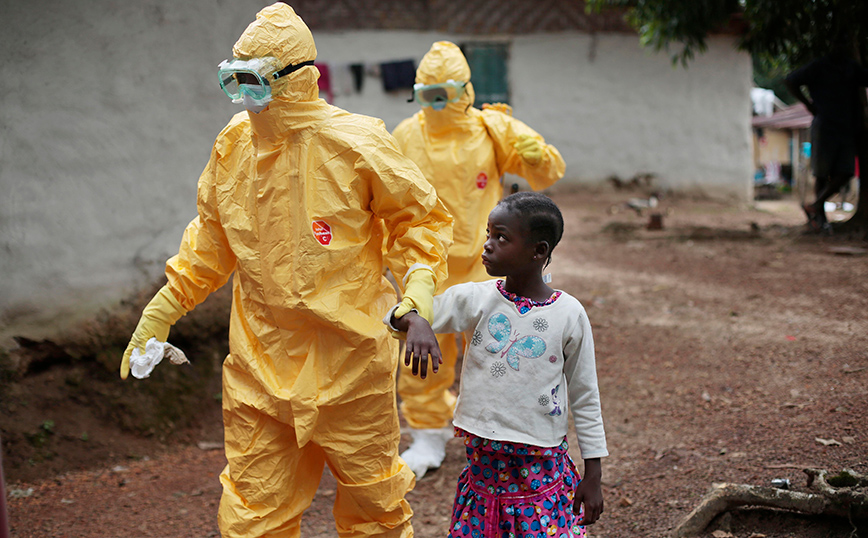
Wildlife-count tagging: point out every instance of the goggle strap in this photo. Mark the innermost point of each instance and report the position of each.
(291, 69)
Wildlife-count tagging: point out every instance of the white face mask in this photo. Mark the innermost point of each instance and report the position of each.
(255, 105)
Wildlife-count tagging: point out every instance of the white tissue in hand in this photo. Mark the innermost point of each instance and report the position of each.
(142, 364)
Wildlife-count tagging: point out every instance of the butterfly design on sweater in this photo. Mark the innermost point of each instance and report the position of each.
(511, 344)
(556, 412)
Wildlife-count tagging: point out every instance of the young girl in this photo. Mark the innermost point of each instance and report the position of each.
(529, 356)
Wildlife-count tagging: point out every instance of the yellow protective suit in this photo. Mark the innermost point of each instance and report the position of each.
(294, 201)
(463, 152)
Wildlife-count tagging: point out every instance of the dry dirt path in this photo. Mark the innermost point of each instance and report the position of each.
(731, 348)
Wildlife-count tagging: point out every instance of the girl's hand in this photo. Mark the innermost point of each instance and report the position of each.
(590, 493)
(420, 344)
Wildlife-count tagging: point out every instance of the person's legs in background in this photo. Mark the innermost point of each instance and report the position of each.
(427, 406)
(834, 163)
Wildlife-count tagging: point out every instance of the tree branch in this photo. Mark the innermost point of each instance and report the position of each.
(841, 495)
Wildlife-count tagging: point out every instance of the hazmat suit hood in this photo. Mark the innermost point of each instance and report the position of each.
(279, 32)
(445, 61)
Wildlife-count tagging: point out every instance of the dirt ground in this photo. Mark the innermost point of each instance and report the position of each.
(731, 347)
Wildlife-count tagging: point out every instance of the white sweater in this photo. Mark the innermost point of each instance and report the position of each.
(519, 369)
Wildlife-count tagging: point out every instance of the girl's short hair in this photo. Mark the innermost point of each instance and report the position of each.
(542, 218)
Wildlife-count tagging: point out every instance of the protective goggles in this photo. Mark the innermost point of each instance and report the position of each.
(252, 77)
(438, 95)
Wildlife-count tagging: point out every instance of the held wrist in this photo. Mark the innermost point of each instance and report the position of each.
(402, 322)
(402, 316)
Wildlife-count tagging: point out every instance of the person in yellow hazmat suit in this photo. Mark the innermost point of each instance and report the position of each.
(463, 152)
(294, 203)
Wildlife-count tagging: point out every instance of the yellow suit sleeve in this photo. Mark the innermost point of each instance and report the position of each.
(417, 225)
(507, 132)
(157, 318)
(204, 261)
(418, 295)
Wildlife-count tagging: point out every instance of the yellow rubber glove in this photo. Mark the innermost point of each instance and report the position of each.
(529, 149)
(418, 295)
(500, 107)
(157, 318)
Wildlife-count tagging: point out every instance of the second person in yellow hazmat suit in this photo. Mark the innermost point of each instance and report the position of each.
(293, 203)
(463, 152)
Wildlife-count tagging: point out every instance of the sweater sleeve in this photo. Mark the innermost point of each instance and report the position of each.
(418, 227)
(584, 395)
(457, 309)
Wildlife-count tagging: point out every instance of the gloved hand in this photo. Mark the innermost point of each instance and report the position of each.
(418, 295)
(500, 107)
(157, 318)
(529, 149)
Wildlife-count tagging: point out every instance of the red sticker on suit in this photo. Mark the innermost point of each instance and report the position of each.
(322, 231)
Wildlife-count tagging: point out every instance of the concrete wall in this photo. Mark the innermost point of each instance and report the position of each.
(609, 106)
(107, 116)
(109, 110)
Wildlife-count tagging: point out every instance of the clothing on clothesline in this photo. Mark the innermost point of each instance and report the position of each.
(342, 80)
(398, 75)
(358, 72)
(325, 82)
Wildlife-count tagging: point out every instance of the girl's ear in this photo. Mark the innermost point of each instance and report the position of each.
(542, 250)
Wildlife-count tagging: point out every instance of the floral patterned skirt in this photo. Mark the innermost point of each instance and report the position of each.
(514, 490)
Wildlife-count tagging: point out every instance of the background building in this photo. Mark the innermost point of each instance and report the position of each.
(781, 148)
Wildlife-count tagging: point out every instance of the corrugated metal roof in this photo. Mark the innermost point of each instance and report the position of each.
(792, 117)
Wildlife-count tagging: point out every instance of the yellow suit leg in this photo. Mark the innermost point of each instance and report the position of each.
(268, 481)
(363, 457)
(428, 403)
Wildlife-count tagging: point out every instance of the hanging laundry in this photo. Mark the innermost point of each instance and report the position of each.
(325, 82)
(358, 71)
(398, 75)
(342, 80)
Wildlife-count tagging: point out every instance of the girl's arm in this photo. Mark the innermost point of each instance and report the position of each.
(584, 395)
(590, 493)
(581, 373)
(454, 311)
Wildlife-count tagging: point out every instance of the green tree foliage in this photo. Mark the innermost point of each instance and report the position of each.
(684, 24)
(795, 30)
(770, 73)
(801, 30)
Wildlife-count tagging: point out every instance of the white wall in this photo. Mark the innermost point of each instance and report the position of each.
(609, 106)
(616, 109)
(109, 110)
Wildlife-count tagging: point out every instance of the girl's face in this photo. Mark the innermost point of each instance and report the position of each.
(507, 251)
